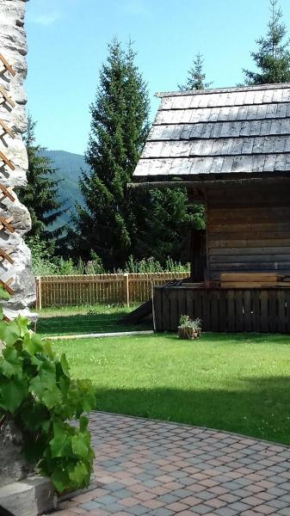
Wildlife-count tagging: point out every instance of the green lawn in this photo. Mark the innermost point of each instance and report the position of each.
(231, 382)
(85, 319)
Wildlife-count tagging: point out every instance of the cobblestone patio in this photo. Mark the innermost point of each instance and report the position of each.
(163, 469)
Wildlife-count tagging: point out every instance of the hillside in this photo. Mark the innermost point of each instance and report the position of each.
(68, 168)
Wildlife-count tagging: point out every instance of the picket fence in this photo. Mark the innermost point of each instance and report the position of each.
(100, 288)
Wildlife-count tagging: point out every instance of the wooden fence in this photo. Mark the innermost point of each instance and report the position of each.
(100, 288)
(224, 310)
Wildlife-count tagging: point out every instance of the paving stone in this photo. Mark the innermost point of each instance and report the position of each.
(165, 469)
(265, 509)
(168, 498)
(151, 483)
(115, 508)
(205, 495)
(177, 506)
(107, 499)
(278, 504)
(163, 512)
(239, 506)
(115, 486)
(129, 502)
(226, 512)
(181, 493)
(216, 503)
(145, 495)
(284, 512)
(123, 493)
(90, 506)
(230, 498)
(202, 509)
(138, 510)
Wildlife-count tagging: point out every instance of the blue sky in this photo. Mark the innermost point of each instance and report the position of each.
(68, 42)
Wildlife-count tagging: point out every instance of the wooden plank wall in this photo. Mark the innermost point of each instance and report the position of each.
(248, 229)
(228, 310)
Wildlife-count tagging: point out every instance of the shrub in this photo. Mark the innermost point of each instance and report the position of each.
(150, 265)
(39, 396)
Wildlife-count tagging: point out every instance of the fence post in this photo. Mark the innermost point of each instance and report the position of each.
(38, 293)
(126, 290)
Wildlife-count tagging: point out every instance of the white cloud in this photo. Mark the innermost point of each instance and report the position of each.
(45, 19)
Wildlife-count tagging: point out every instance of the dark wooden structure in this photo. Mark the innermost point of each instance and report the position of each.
(230, 148)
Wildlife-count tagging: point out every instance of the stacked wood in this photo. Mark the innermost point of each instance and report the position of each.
(254, 280)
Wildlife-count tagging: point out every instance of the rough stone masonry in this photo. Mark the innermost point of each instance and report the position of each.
(15, 258)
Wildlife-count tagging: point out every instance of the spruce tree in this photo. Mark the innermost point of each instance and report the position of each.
(196, 76)
(272, 57)
(118, 132)
(40, 195)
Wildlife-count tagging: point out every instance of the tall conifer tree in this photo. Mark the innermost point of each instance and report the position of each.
(196, 79)
(118, 131)
(41, 193)
(272, 57)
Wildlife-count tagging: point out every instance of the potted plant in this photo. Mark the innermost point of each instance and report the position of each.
(188, 328)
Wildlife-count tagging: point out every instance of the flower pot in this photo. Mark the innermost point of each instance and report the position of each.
(187, 332)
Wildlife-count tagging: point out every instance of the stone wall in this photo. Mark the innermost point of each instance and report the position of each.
(15, 265)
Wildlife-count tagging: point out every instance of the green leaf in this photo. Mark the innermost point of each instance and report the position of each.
(22, 323)
(35, 417)
(12, 395)
(52, 397)
(83, 423)
(60, 479)
(47, 349)
(44, 388)
(32, 343)
(64, 364)
(60, 446)
(11, 364)
(79, 474)
(80, 446)
(9, 333)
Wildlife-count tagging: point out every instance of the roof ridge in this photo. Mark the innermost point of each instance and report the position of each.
(209, 91)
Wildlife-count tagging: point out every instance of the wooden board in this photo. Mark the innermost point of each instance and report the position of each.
(6, 161)
(6, 97)
(257, 276)
(7, 66)
(6, 129)
(230, 310)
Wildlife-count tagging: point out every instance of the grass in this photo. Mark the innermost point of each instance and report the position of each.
(85, 319)
(237, 382)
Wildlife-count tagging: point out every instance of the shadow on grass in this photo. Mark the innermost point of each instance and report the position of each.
(86, 323)
(260, 408)
(235, 338)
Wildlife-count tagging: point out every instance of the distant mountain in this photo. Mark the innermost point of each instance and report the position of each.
(68, 168)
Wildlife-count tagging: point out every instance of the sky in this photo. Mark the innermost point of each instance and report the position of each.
(67, 41)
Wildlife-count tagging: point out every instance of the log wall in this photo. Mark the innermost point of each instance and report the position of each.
(248, 229)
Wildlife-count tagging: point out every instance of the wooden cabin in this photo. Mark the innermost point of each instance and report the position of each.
(231, 149)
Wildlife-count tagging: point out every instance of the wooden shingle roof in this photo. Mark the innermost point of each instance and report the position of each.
(219, 131)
